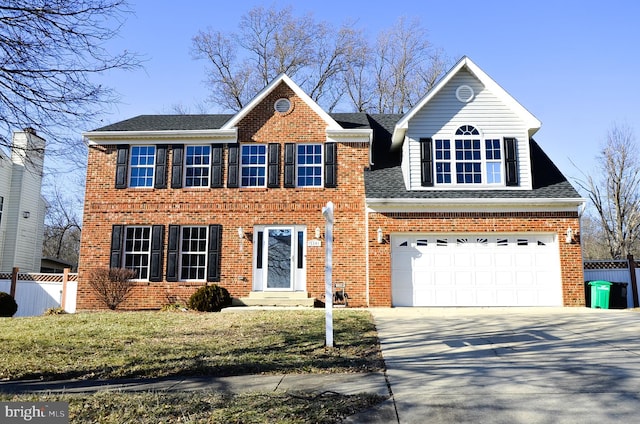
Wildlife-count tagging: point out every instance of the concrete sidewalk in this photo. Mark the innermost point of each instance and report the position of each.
(346, 384)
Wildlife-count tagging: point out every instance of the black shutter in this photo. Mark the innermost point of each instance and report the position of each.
(122, 163)
(330, 165)
(173, 251)
(213, 257)
(510, 162)
(290, 165)
(160, 177)
(273, 169)
(176, 166)
(426, 162)
(157, 238)
(117, 233)
(216, 166)
(232, 172)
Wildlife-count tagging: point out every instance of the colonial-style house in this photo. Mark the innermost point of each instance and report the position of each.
(450, 204)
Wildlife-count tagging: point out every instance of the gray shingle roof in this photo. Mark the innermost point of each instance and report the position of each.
(169, 122)
(548, 183)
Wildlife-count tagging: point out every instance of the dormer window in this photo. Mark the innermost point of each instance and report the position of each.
(468, 159)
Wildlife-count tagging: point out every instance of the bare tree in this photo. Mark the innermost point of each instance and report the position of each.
(406, 66)
(615, 192)
(334, 65)
(62, 227)
(49, 52)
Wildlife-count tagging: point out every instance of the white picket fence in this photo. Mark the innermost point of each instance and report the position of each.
(618, 271)
(36, 292)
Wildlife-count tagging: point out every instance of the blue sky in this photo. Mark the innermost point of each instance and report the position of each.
(573, 64)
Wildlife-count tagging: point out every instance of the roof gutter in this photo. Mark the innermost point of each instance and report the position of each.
(114, 137)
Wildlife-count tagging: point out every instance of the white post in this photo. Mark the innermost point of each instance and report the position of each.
(327, 212)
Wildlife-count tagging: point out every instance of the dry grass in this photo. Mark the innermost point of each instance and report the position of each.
(157, 344)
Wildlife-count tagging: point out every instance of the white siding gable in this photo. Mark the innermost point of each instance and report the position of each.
(444, 114)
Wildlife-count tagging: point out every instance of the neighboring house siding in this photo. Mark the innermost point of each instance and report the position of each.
(445, 113)
(232, 208)
(22, 237)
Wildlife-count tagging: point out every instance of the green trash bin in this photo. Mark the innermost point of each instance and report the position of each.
(600, 292)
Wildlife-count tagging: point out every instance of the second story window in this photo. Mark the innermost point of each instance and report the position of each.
(253, 165)
(142, 164)
(469, 159)
(309, 165)
(197, 162)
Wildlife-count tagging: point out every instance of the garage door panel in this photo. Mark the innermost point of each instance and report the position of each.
(476, 270)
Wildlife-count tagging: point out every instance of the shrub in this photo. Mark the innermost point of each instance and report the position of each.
(210, 299)
(55, 311)
(8, 305)
(112, 286)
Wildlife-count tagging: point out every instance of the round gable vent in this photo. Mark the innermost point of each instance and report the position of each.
(464, 93)
(282, 105)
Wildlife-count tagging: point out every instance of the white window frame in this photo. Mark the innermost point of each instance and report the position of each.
(187, 251)
(203, 167)
(140, 253)
(145, 166)
(319, 166)
(261, 156)
(448, 158)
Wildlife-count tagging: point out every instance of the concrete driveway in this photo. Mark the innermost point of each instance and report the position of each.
(512, 365)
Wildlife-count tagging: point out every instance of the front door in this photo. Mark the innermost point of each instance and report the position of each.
(278, 258)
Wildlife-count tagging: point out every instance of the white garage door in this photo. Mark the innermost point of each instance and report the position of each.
(475, 270)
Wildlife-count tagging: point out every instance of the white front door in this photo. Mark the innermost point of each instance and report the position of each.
(279, 258)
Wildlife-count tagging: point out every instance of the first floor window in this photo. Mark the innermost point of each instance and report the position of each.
(142, 164)
(137, 250)
(193, 253)
(253, 165)
(309, 165)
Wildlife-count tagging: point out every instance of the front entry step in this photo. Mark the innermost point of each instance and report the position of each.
(277, 299)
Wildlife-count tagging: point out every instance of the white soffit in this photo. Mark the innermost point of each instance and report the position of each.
(203, 136)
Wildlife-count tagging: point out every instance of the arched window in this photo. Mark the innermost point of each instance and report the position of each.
(469, 159)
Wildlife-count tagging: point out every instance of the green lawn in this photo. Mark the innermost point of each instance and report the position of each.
(155, 344)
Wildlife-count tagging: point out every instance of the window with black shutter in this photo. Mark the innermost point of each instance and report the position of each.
(157, 238)
(511, 162)
(216, 165)
(177, 165)
(426, 162)
(213, 254)
(330, 165)
(122, 165)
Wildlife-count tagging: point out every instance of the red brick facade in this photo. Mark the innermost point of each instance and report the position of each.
(358, 258)
(233, 208)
